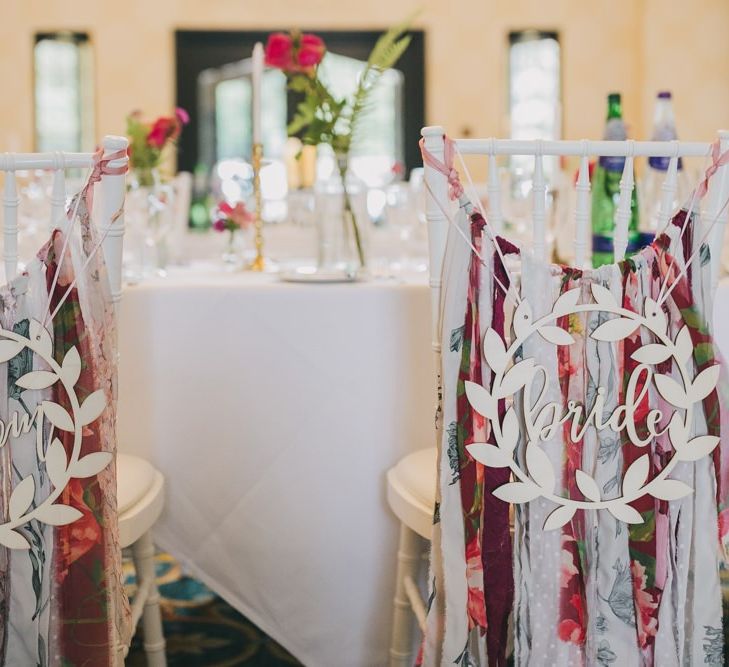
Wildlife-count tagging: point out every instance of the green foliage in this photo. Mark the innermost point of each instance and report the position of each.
(142, 156)
(320, 118)
(385, 54)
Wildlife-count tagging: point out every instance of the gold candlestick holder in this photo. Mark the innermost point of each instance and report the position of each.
(259, 262)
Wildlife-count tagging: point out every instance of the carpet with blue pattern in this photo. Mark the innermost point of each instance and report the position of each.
(201, 629)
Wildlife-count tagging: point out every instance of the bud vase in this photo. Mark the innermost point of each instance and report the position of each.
(148, 219)
(342, 221)
(233, 253)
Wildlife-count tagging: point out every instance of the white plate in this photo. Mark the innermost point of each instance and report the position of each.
(311, 274)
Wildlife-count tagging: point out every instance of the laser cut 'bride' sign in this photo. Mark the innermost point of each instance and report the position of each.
(58, 466)
(542, 422)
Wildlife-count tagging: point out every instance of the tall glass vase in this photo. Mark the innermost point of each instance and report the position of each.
(148, 215)
(342, 221)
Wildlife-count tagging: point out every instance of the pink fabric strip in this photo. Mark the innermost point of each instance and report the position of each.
(717, 160)
(447, 169)
(101, 168)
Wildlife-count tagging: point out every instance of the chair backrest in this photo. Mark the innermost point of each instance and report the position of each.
(108, 199)
(438, 202)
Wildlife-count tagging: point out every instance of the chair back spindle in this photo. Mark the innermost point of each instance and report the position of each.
(668, 193)
(113, 191)
(10, 220)
(496, 217)
(718, 210)
(437, 227)
(58, 194)
(582, 211)
(109, 200)
(539, 206)
(623, 212)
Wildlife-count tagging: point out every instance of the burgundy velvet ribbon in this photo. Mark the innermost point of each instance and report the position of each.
(496, 550)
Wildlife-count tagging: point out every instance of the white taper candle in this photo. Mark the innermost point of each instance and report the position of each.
(257, 77)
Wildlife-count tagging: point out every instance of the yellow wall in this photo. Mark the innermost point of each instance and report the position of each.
(626, 45)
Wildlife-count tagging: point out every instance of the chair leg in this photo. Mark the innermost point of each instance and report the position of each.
(408, 561)
(154, 641)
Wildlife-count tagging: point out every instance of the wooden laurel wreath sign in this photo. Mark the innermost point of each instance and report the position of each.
(59, 468)
(542, 422)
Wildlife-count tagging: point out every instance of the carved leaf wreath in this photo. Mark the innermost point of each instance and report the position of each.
(539, 478)
(22, 506)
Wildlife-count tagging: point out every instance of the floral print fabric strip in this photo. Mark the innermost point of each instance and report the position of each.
(61, 601)
(597, 591)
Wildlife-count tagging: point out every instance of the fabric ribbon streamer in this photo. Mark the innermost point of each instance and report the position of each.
(717, 160)
(448, 168)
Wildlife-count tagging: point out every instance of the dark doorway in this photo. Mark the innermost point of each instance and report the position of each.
(198, 50)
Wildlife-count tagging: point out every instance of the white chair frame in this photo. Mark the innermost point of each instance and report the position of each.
(412, 515)
(135, 522)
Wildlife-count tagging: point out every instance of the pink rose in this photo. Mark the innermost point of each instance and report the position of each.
(182, 116)
(311, 51)
(239, 214)
(233, 216)
(279, 51)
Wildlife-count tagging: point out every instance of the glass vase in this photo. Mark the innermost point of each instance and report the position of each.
(232, 256)
(342, 221)
(149, 218)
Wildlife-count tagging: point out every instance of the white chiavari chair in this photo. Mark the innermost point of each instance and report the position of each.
(140, 486)
(411, 482)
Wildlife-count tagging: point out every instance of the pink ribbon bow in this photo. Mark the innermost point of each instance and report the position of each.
(101, 168)
(447, 169)
(717, 160)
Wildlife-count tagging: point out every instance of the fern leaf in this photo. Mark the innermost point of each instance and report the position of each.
(392, 54)
(384, 45)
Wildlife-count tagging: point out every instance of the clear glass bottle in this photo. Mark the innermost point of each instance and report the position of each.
(664, 129)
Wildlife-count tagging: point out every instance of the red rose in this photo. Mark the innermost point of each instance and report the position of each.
(161, 131)
(279, 48)
(311, 51)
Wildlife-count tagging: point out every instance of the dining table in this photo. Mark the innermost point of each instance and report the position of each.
(274, 410)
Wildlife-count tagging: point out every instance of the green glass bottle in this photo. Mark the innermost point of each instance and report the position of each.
(606, 192)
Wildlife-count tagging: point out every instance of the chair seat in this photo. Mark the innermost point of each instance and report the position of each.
(140, 497)
(411, 490)
(134, 477)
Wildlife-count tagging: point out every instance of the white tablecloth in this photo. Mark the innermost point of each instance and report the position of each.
(274, 411)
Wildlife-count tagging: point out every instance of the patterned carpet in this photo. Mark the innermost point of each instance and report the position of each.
(201, 629)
